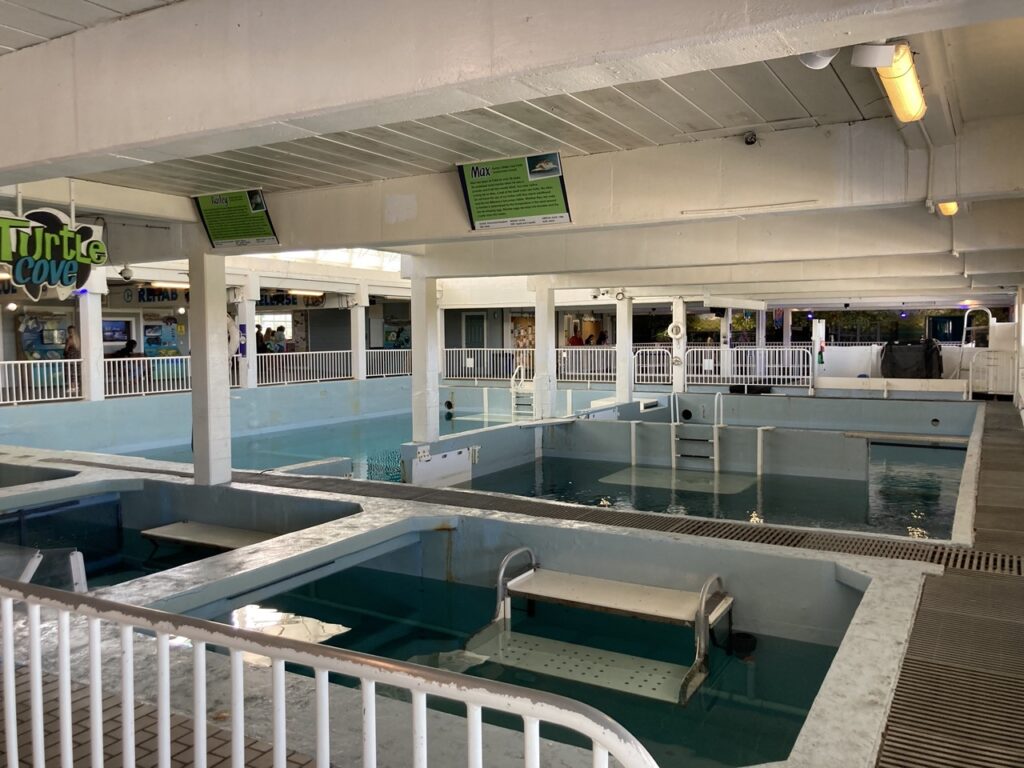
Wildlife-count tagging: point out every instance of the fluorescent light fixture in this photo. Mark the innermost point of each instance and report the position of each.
(5, 276)
(902, 85)
(305, 293)
(949, 208)
(168, 285)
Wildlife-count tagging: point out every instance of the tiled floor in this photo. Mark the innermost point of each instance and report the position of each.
(258, 754)
(957, 702)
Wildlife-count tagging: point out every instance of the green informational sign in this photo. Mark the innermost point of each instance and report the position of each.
(235, 219)
(518, 192)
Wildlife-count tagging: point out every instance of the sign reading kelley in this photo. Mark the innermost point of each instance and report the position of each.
(517, 192)
(41, 248)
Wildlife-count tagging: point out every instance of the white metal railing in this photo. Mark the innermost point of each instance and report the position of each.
(388, 362)
(36, 381)
(486, 363)
(147, 375)
(298, 367)
(652, 345)
(652, 366)
(607, 737)
(769, 366)
(590, 364)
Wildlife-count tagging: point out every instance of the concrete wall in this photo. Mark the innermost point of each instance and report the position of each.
(775, 594)
(139, 423)
(494, 327)
(499, 448)
(164, 503)
(954, 418)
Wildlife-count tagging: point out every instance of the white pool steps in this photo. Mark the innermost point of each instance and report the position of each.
(638, 600)
(637, 675)
(616, 671)
(206, 535)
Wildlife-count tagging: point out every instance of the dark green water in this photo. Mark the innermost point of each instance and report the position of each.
(910, 491)
(748, 712)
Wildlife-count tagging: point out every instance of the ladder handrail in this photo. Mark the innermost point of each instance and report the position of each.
(719, 406)
(519, 373)
(702, 621)
(963, 335)
(503, 581)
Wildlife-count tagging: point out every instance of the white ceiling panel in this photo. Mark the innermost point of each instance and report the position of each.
(821, 92)
(567, 108)
(987, 63)
(761, 88)
(496, 144)
(618, 106)
(667, 104)
(714, 98)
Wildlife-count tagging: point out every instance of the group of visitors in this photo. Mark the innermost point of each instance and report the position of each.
(270, 340)
(578, 341)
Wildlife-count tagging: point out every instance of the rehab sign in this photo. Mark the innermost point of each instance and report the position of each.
(42, 249)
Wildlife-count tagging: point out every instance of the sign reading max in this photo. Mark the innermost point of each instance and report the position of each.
(42, 249)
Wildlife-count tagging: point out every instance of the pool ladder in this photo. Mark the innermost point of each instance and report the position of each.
(522, 394)
(697, 445)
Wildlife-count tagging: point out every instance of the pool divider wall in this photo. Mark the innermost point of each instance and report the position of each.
(864, 415)
(797, 452)
(127, 424)
(449, 461)
(162, 503)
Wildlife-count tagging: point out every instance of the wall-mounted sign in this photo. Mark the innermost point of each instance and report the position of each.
(42, 249)
(518, 192)
(276, 299)
(234, 219)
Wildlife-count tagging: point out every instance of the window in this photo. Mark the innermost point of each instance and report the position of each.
(268, 320)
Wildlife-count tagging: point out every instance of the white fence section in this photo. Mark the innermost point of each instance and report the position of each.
(388, 362)
(606, 736)
(36, 381)
(147, 375)
(487, 364)
(652, 365)
(590, 364)
(768, 366)
(299, 367)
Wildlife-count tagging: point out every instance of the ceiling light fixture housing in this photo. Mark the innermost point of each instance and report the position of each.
(902, 85)
(948, 208)
(818, 59)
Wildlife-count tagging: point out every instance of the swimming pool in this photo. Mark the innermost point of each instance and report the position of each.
(764, 696)
(910, 491)
(372, 444)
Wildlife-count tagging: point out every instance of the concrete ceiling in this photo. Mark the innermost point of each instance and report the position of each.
(24, 23)
(763, 96)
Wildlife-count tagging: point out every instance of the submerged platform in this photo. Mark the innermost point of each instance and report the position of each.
(205, 535)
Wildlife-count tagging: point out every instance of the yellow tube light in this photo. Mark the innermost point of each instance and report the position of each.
(305, 293)
(169, 285)
(902, 85)
(949, 208)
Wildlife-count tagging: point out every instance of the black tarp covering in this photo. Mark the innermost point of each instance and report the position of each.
(912, 361)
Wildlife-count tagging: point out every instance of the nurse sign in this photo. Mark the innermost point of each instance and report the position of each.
(42, 249)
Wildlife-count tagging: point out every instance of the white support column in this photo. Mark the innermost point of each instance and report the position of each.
(211, 404)
(357, 317)
(247, 322)
(1019, 317)
(787, 327)
(440, 341)
(762, 327)
(425, 427)
(624, 350)
(90, 331)
(545, 365)
(679, 345)
(725, 342)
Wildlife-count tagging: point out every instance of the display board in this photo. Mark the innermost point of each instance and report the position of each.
(516, 192)
(236, 219)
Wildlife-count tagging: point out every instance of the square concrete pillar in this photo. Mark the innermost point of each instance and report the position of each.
(249, 377)
(624, 350)
(787, 327)
(679, 346)
(211, 384)
(357, 330)
(425, 405)
(545, 370)
(90, 331)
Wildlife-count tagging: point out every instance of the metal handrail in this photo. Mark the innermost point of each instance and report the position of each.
(702, 622)
(519, 373)
(606, 735)
(503, 582)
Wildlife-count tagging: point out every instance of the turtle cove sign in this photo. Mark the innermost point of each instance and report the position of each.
(41, 249)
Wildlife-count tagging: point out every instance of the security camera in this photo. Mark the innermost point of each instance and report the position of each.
(126, 273)
(846, 305)
(595, 295)
(750, 138)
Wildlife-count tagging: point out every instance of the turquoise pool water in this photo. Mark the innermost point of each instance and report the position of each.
(748, 712)
(372, 444)
(911, 491)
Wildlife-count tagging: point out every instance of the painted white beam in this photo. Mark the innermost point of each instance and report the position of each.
(94, 198)
(277, 70)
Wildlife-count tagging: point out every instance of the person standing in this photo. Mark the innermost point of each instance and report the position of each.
(72, 344)
(261, 343)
